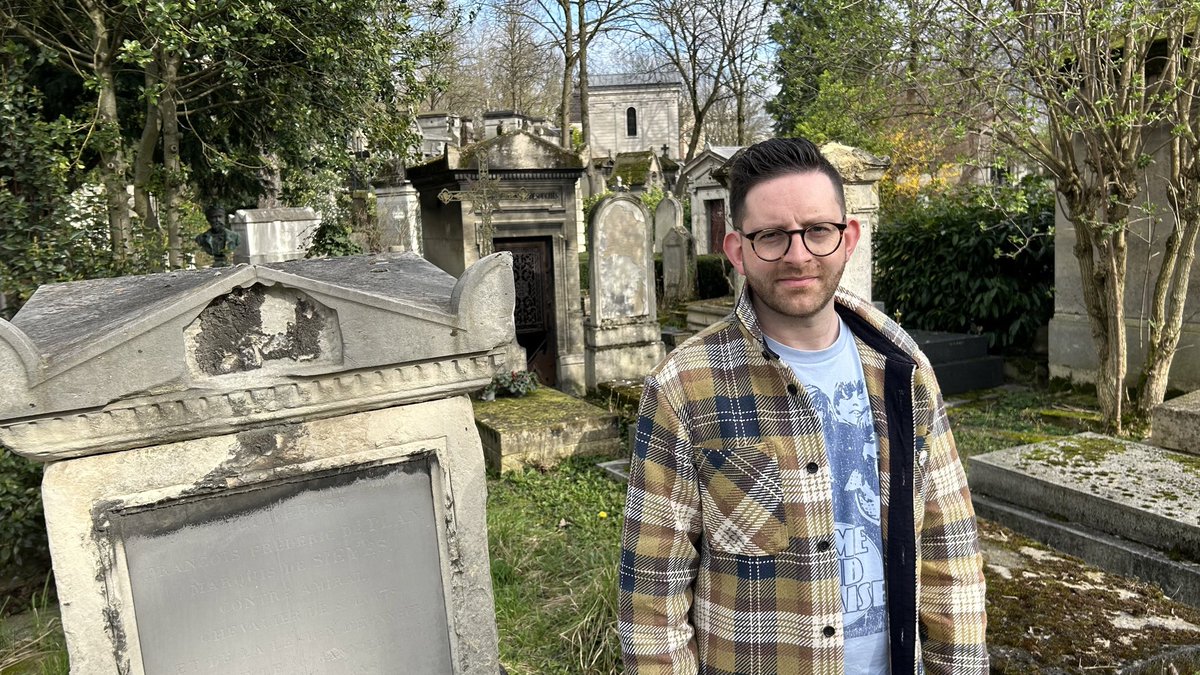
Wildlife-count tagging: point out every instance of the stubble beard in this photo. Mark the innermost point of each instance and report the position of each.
(803, 303)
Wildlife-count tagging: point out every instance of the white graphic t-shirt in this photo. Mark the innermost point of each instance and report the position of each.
(833, 379)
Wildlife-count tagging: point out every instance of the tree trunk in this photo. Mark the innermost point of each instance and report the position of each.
(740, 96)
(172, 167)
(143, 160)
(1110, 385)
(1095, 283)
(107, 137)
(595, 185)
(1170, 298)
(569, 56)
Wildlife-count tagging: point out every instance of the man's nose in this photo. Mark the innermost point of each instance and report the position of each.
(797, 252)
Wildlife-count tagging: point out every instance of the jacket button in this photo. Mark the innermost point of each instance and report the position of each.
(792, 389)
(823, 545)
(829, 631)
(812, 467)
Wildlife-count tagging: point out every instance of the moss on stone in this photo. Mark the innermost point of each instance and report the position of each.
(1075, 451)
(1190, 463)
(1057, 614)
(543, 407)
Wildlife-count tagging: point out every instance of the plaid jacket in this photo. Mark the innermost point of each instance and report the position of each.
(727, 561)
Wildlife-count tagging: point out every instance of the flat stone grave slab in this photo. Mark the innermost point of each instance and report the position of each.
(1126, 506)
(1176, 424)
(543, 428)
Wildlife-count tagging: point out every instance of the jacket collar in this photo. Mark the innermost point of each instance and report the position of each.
(869, 324)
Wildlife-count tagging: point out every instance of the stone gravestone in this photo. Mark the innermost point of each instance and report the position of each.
(249, 472)
(668, 215)
(274, 235)
(621, 334)
(679, 267)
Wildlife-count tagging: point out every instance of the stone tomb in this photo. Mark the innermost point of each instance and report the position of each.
(1123, 506)
(250, 473)
(273, 235)
(1176, 423)
(541, 231)
(621, 333)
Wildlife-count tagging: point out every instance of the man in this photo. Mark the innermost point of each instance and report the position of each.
(796, 503)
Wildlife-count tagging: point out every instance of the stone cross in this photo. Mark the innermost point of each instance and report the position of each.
(485, 194)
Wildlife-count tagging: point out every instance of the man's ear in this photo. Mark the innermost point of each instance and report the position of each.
(733, 250)
(851, 235)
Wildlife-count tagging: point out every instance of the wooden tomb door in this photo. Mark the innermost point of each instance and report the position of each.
(716, 224)
(533, 273)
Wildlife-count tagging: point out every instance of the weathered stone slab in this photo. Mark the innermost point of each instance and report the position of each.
(542, 429)
(679, 267)
(274, 235)
(1179, 579)
(621, 333)
(1134, 492)
(1176, 424)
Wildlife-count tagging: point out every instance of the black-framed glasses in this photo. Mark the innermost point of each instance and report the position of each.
(821, 239)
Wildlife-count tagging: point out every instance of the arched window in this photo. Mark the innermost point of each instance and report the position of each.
(631, 122)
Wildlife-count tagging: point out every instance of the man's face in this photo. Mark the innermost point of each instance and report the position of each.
(800, 285)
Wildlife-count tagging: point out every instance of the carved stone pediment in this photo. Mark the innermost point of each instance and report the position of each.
(109, 364)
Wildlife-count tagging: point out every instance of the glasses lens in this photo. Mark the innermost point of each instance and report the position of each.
(771, 244)
(822, 238)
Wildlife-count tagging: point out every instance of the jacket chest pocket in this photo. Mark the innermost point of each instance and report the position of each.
(741, 498)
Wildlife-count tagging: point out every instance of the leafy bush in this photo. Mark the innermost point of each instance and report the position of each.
(22, 528)
(976, 261)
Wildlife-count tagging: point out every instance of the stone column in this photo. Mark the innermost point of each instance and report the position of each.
(861, 172)
(398, 209)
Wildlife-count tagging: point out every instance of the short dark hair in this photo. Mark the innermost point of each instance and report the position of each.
(771, 159)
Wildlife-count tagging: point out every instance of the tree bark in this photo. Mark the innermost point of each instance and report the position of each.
(172, 166)
(569, 57)
(143, 160)
(113, 163)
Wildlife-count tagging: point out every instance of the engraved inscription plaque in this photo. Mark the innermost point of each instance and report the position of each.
(335, 572)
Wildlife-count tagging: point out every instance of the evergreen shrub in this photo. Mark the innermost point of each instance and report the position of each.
(974, 261)
(22, 528)
(711, 281)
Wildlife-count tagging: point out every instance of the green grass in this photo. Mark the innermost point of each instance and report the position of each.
(32, 643)
(554, 541)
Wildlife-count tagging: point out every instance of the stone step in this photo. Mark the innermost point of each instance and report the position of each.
(956, 377)
(943, 347)
(704, 313)
(673, 337)
(1176, 424)
(1125, 489)
(1179, 579)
